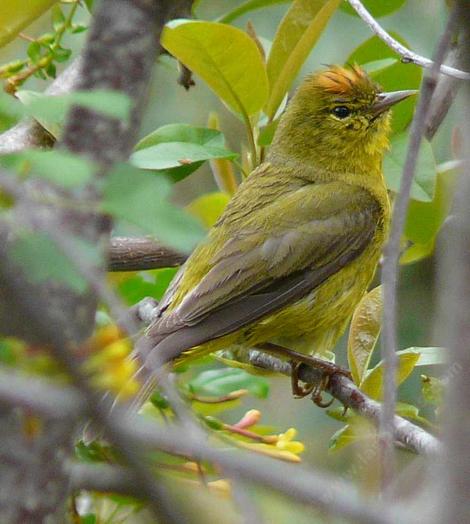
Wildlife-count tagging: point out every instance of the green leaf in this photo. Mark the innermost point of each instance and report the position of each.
(208, 208)
(41, 260)
(424, 219)
(395, 77)
(372, 384)
(146, 284)
(246, 7)
(139, 198)
(61, 167)
(342, 438)
(62, 55)
(417, 252)
(432, 390)
(411, 412)
(58, 18)
(376, 9)
(17, 14)
(225, 57)
(223, 381)
(34, 52)
(266, 133)
(364, 332)
(424, 181)
(89, 518)
(296, 35)
(180, 149)
(430, 356)
(50, 111)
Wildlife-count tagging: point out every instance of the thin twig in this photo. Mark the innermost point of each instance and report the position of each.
(392, 254)
(443, 97)
(407, 55)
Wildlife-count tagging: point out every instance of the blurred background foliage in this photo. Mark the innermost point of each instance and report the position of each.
(197, 163)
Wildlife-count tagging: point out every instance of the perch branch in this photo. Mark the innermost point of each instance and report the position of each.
(406, 54)
(412, 437)
(390, 268)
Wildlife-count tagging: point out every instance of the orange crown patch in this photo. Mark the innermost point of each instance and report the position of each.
(344, 81)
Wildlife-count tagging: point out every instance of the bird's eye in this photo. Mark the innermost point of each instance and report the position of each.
(341, 111)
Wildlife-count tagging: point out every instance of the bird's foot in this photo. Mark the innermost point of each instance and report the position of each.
(300, 388)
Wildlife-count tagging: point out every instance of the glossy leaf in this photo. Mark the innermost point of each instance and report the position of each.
(223, 381)
(208, 208)
(424, 219)
(17, 14)
(140, 199)
(296, 35)
(180, 149)
(392, 78)
(376, 9)
(372, 384)
(424, 181)
(364, 332)
(226, 58)
(246, 7)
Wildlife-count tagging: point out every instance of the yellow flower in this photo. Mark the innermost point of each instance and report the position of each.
(110, 364)
(285, 442)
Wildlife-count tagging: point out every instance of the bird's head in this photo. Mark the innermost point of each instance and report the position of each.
(340, 111)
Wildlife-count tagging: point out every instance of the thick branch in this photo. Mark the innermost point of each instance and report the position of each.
(135, 254)
(406, 54)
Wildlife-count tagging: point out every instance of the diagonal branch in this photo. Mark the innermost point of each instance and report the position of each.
(406, 54)
(390, 268)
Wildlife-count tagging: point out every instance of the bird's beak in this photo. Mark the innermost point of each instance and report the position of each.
(385, 101)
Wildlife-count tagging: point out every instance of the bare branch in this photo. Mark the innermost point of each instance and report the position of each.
(412, 437)
(390, 267)
(406, 54)
(136, 254)
(443, 97)
(453, 479)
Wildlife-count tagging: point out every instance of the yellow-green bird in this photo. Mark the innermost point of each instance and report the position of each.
(298, 245)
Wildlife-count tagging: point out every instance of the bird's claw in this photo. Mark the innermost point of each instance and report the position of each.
(328, 369)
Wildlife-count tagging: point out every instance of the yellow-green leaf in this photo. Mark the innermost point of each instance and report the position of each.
(225, 57)
(17, 14)
(364, 332)
(417, 252)
(297, 34)
(208, 207)
(372, 384)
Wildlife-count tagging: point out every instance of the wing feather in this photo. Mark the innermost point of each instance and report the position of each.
(256, 273)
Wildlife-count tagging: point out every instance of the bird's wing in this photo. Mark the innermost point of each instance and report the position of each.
(274, 256)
